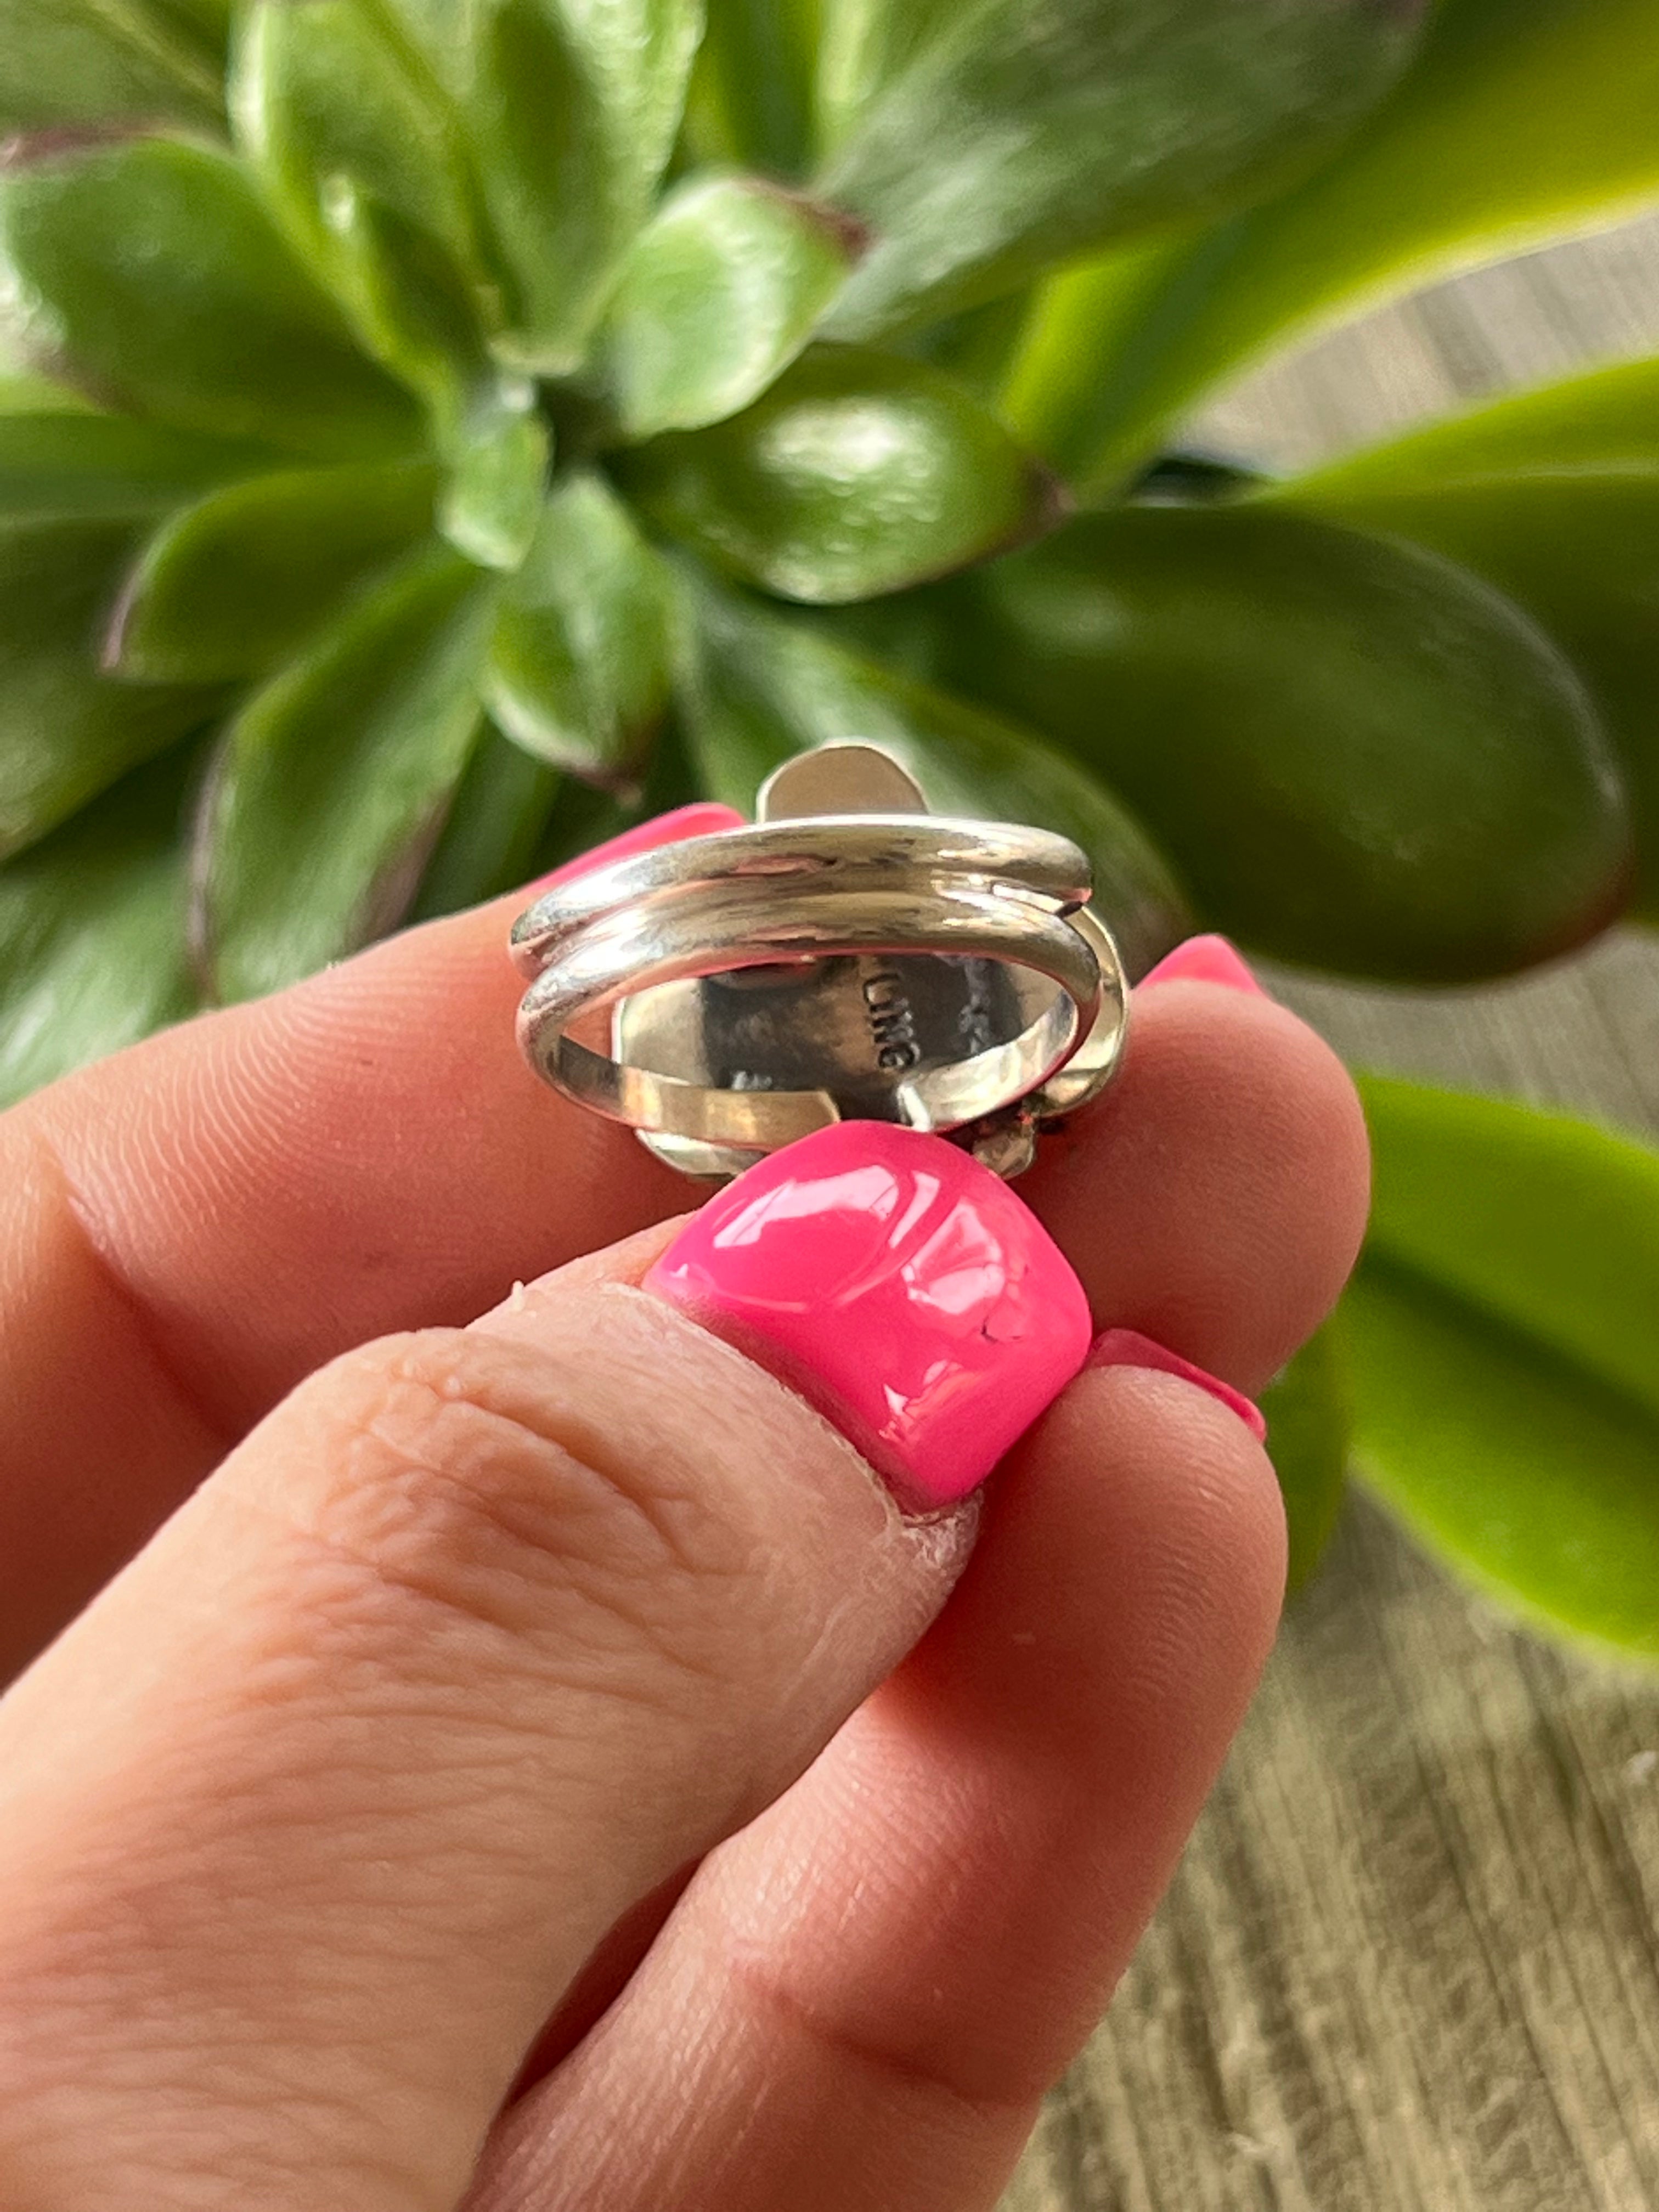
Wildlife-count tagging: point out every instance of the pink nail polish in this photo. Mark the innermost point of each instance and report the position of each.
(1126, 1347)
(899, 1286)
(698, 820)
(1209, 959)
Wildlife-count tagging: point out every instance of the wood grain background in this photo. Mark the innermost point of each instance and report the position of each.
(1411, 1963)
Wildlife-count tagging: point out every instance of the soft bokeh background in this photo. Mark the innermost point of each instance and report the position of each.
(1412, 1961)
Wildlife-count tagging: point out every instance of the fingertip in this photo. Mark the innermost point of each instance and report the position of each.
(1206, 959)
(1127, 1347)
(1229, 1165)
(1050, 1742)
(1173, 1502)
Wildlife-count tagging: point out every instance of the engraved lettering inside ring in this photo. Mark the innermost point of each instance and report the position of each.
(848, 954)
(876, 1017)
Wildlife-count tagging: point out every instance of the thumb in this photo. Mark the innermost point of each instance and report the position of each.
(316, 1814)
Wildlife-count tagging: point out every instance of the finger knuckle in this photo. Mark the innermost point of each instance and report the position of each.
(464, 1476)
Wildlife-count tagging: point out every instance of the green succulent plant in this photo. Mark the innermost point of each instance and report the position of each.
(432, 433)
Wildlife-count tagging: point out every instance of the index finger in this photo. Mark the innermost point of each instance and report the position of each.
(189, 1229)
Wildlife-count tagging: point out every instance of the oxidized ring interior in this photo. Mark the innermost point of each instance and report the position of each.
(728, 994)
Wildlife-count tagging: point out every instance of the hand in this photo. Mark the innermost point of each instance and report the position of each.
(536, 1767)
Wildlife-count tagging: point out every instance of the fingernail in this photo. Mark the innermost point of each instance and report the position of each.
(1204, 960)
(702, 816)
(900, 1287)
(1126, 1347)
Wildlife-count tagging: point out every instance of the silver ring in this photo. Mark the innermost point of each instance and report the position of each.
(849, 956)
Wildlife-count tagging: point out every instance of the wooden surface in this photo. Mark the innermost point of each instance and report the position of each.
(1410, 1963)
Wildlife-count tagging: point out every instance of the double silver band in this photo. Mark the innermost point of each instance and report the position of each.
(728, 994)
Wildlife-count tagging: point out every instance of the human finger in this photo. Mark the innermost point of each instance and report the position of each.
(860, 2000)
(317, 1813)
(1215, 1197)
(201, 1221)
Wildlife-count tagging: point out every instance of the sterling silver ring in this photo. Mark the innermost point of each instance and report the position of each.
(848, 955)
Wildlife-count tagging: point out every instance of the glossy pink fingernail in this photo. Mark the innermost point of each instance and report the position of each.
(898, 1285)
(1126, 1347)
(1209, 959)
(698, 820)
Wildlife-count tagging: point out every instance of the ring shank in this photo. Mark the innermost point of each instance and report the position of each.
(733, 1001)
(829, 852)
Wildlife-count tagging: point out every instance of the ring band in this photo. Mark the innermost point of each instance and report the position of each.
(728, 994)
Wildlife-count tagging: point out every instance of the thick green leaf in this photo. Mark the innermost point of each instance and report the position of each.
(492, 503)
(1521, 121)
(1506, 1371)
(1024, 134)
(759, 686)
(418, 318)
(107, 464)
(494, 830)
(753, 92)
(720, 294)
(235, 585)
(978, 346)
(92, 932)
(571, 110)
(25, 393)
(1554, 497)
(858, 473)
(864, 46)
(1535, 1484)
(585, 817)
(1081, 384)
(149, 271)
(909, 633)
(1310, 1414)
(1543, 1221)
(1359, 756)
(207, 21)
(413, 310)
(322, 92)
(70, 62)
(361, 156)
(1581, 554)
(332, 786)
(67, 732)
(578, 669)
(1606, 420)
